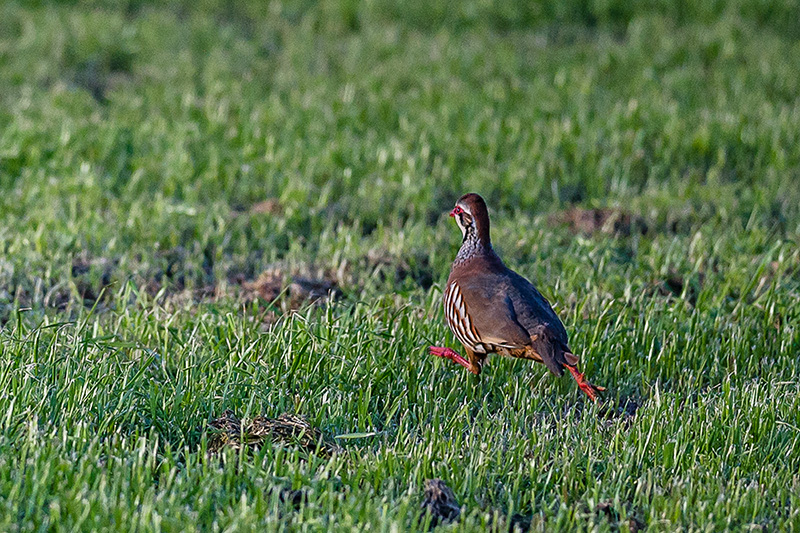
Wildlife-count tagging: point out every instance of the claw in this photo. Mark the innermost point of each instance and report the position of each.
(590, 390)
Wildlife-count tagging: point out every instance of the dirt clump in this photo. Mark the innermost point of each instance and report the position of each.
(608, 220)
(270, 206)
(607, 510)
(440, 502)
(274, 285)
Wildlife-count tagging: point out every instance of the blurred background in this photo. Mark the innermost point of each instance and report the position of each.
(198, 143)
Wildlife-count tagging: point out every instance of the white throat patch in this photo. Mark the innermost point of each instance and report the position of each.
(460, 226)
(458, 220)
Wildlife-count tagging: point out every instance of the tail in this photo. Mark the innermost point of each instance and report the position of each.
(554, 354)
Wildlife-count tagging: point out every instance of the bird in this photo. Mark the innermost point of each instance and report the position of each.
(493, 310)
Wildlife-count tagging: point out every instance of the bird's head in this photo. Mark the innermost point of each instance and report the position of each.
(472, 217)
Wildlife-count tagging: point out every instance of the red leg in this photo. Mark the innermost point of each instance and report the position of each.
(447, 353)
(590, 390)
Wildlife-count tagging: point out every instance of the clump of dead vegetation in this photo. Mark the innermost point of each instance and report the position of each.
(290, 430)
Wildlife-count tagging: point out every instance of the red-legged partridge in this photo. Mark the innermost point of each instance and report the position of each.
(492, 309)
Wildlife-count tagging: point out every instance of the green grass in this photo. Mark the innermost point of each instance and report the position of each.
(135, 138)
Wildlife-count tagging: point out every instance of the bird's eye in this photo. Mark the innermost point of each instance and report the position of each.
(458, 210)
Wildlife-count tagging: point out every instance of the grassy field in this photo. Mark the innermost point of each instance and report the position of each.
(180, 180)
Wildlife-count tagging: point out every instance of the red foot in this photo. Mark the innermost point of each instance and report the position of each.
(447, 353)
(590, 390)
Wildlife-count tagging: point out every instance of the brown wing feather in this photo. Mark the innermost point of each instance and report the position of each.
(515, 318)
(493, 321)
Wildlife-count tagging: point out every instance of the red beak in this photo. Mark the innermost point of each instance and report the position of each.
(453, 213)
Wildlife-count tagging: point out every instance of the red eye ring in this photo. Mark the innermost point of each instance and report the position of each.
(456, 211)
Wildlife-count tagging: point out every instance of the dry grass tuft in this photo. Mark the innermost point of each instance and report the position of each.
(287, 429)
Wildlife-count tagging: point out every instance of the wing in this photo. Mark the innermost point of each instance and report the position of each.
(492, 312)
(517, 316)
(533, 310)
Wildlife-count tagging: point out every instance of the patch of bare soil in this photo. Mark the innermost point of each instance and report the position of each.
(290, 430)
(295, 498)
(440, 502)
(608, 220)
(275, 291)
(101, 75)
(674, 285)
(88, 282)
(388, 267)
(268, 286)
(175, 277)
(90, 275)
(624, 410)
(294, 290)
